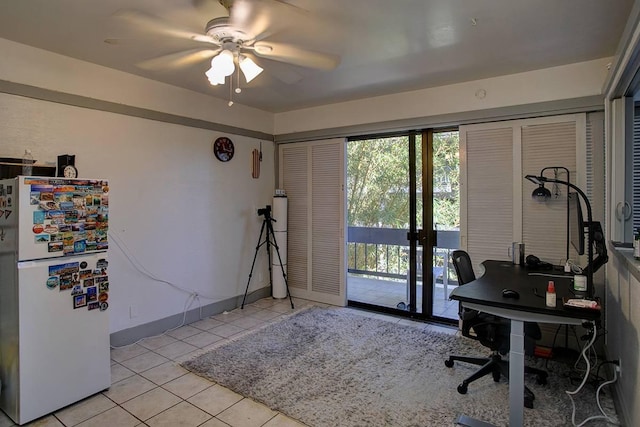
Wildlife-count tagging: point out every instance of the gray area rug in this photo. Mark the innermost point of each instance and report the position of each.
(333, 367)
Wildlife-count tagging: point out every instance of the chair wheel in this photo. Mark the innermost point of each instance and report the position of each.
(496, 376)
(528, 402)
(462, 388)
(448, 363)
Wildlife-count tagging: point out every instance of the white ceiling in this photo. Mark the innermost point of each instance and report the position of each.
(385, 46)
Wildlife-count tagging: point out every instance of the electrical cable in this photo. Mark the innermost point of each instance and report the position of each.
(584, 380)
(192, 295)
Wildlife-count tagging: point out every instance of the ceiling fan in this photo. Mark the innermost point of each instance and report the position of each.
(236, 38)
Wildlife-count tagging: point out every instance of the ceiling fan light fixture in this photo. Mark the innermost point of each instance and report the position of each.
(250, 69)
(223, 63)
(215, 78)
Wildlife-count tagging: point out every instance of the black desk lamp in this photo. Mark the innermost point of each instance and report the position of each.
(543, 194)
(595, 230)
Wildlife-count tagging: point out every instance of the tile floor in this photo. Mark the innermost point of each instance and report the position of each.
(150, 388)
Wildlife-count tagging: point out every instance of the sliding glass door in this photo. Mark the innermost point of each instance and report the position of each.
(390, 213)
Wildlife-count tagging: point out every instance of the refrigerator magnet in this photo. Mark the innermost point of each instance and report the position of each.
(104, 306)
(103, 297)
(92, 294)
(94, 305)
(52, 282)
(79, 301)
(77, 290)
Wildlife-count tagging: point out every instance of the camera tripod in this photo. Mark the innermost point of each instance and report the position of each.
(270, 239)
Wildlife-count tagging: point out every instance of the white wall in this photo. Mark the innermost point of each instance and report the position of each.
(40, 68)
(183, 215)
(551, 84)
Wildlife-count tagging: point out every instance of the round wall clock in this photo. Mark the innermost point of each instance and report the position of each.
(223, 149)
(70, 171)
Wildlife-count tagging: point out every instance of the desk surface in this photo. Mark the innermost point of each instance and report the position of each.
(530, 284)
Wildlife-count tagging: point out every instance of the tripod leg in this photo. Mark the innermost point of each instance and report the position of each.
(253, 264)
(284, 275)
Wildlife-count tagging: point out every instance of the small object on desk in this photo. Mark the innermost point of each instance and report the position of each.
(579, 283)
(581, 303)
(510, 293)
(551, 294)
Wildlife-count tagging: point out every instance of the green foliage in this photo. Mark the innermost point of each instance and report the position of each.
(378, 181)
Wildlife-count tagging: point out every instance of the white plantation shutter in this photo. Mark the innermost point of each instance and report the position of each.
(496, 204)
(293, 160)
(489, 193)
(312, 174)
(544, 225)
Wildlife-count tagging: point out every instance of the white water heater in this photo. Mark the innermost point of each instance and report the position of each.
(279, 214)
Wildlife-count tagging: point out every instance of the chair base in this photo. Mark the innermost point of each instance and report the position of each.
(497, 367)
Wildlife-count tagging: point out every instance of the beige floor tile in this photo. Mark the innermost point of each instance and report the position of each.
(123, 353)
(264, 303)
(267, 314)
(202, 339)
(176, 349)
(111, 418)
(283, 421)
(227, 317)
(215, 399)
(183, 414)
(158, 341)
(246, 413)
(214, 422)
(144, 362)
(164, 373)
(129, 388)
(206, 324)
(119, 372)
(48, 421)
(183, 332)
(248, 322)
(5, 421)
(187, 385)
(151, 403)
(248, 309)
(227, 330)
(85, 409)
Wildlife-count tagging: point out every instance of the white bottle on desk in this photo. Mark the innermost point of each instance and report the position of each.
(551, 294)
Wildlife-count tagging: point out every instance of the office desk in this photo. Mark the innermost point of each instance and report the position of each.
(485, 294)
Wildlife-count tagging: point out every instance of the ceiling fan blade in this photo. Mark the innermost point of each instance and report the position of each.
(178, 59)
(293, 55)
(259, 16)
(149, 23)
(278, 70)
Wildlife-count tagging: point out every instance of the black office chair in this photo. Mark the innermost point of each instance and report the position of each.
(492, 332)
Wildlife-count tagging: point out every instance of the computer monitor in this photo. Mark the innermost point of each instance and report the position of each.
(576, 223)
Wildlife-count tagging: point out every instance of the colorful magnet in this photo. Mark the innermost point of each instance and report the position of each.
(79, 301)
(52, 282)
(94, 305)
(104, 306)
(103, 297)
(38, 228)
(77, 290)
(92, 294)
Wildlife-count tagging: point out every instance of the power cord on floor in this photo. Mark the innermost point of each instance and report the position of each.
(584, 380)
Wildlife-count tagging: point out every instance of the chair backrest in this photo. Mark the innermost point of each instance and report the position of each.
(463, 267)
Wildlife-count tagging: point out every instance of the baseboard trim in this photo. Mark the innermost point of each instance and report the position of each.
(157, 327)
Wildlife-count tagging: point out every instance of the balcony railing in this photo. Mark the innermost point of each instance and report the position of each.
(384, 252)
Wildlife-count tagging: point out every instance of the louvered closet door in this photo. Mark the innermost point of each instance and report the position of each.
(487, 192)
(312, 174)
(544, 225)
(496, 203)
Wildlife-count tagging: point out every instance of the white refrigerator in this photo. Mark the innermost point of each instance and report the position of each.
(54, 294)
